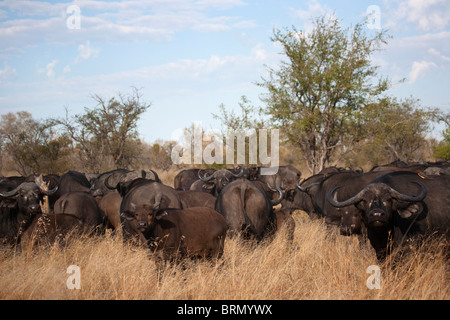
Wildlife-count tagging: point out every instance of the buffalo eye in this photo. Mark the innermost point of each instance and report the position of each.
(362, 205)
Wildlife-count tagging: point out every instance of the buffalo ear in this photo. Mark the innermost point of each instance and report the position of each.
(208, 185)
(128, 215)
(361, 205)
(161, 214)
(411, 209)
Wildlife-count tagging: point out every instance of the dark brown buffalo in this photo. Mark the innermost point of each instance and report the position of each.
(185, 178)
(246, 208)
(196, 199)
(348, 219)
(142, 191)
(180, 233)
(98, 184)
(81, 205)
(399, 205)
(286, 176)
(18, 208)
(214, 183)
(72, 181)
(49, 229)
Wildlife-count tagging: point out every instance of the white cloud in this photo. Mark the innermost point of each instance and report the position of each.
(438, 54)
(418, 69)
(7, 72)
(427, 15)
(28, 23)
(315, 9)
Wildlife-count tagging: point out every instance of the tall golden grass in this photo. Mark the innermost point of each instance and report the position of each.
(319, 264)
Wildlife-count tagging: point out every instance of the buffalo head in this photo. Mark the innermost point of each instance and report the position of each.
(378, 202)
(219, 179)
(28, 195)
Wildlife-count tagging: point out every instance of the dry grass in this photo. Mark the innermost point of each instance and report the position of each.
(319, 265)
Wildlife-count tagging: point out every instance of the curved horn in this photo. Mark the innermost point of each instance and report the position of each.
(43, 186)
(308, 188)
(297, 184)
(339, 204)
(205, 179)
(11, 193)
(239, 174)
(155, 175)
(280, 191)
(400, 196)
(117, 180)
(49, 192)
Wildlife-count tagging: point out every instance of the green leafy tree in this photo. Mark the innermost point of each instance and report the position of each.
(394, 130)
(319, 90)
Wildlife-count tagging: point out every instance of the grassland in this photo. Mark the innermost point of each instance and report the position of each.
(319, 264)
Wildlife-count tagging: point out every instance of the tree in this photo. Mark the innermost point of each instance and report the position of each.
(107, 134)
(317, 94)
(394, 130)
(32, 145)
(442, 150)
(244, 125)
(244, 121)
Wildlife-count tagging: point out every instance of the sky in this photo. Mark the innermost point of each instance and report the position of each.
(187, 57)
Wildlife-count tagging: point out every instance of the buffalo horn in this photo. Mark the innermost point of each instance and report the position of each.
(297, 183)
(11, 193)
(206, 179)
(400, 196)
(339, 204)
(43, 186)
(280, 191)
(116, 177)
(238, 175)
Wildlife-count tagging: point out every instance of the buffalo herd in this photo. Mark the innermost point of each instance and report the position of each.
(386, 205)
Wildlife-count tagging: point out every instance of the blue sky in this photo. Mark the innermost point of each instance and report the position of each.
(190, 56)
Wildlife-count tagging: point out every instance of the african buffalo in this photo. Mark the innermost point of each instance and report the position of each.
(72, 181)
(142, 191)
(18, 208)
(81, 205)
(179, 233)
(49, 229)
(286, 176)
(348, 219)
(398, 205)
(185, 178)
(216, 181)
(246, 208)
